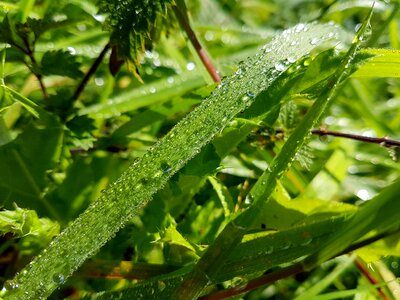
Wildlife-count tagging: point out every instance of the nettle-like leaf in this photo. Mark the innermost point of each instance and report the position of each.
(26, 224)
(7, 34)
(60, 63)
(134, 25)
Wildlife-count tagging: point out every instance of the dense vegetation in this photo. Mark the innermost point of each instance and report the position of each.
(131, 169)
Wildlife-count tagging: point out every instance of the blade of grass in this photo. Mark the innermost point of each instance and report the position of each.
(211, 262)
(124, 198)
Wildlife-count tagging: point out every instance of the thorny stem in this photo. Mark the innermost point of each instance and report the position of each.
(90, 73)
(196, 44)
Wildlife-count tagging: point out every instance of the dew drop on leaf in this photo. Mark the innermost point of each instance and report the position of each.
(10, 285)
(58, 279)
(161, 285)
(250, 94)
(280, 66)
(166, 168)
(269, 250)
(299, 28)
(314, 41)
(306, 242)
(240, 283)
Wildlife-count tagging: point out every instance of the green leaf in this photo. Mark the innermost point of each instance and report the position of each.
(211, 262)
(25, 163)
(134, 26)
(26, 224)
(7, 32)
(124, 198)
(60, 63)
(155, 93)
(385, 63)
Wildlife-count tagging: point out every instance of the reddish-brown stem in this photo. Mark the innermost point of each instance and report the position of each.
(90, 73)
(289, 271)
(256, 283)
(196, 44)
(383, 141)
(367, 274)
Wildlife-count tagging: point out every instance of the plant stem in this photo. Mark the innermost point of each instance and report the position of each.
(382, 141)
(293, 270)
(90, 73)
(256, 283)
(38, 76)
(184, 22)
(367, 274)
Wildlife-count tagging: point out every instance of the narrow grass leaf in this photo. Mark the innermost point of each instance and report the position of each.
(124, 198)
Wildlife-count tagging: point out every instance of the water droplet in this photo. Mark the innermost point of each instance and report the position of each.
(291, 59)
(250, 94)
(99, 81)
(58, 279)
(166, 168)
(249, 199)
(306, 241)
(190, 66)
(267, 50)
(363, 194)
(285, 245)
(299, 27)
(209, 36)
(71, 50)
(240, 283)
(161, 285)
(314, 41)
(10, 285)
(394, 264)
(280, 66)
(269, 250)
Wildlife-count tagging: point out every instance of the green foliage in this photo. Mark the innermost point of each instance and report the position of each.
(134, 26)
(228, 188)
(60, 63)
(33, 233)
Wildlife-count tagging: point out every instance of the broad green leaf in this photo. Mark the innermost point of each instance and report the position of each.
(385, 63)
(160, 91)
(25, 163)
(60, 63)
(257, 253)
(380, 214)
(134, 25)
(124, 198)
